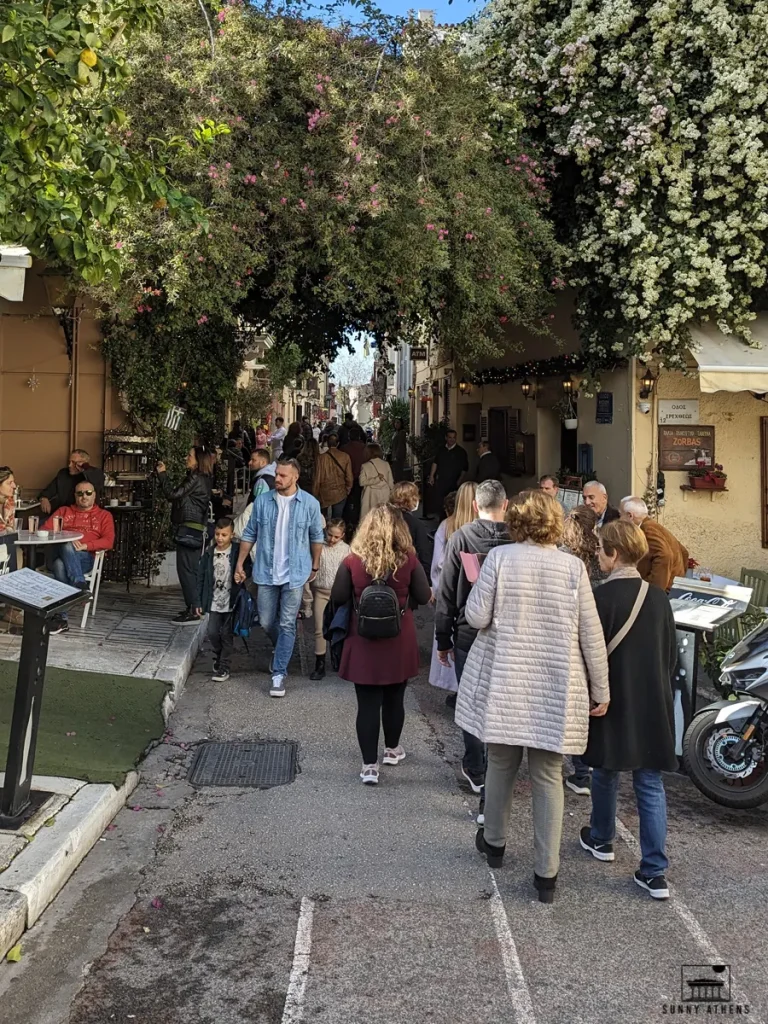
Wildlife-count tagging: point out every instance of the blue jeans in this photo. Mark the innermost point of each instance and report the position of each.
(67, 565)
(278, 607)
(580, 768)
(651, 808)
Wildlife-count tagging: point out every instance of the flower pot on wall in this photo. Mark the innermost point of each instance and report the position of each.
(707, 483)
(570, 424)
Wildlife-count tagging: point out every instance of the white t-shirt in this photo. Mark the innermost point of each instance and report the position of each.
(282, 555)
(316, 432)
(222, 580)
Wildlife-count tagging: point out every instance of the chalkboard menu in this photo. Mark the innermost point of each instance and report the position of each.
(684, 448)
(604, 410)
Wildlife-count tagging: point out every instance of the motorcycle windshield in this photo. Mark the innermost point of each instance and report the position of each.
(753, 644)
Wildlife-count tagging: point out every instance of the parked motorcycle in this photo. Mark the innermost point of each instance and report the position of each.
(725, 748)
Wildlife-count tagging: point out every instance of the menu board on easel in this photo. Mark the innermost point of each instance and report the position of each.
(685, 448)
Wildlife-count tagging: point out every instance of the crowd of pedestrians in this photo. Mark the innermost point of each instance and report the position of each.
(553, 633)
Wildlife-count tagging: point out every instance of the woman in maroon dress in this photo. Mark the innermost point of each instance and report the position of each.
(380, 669)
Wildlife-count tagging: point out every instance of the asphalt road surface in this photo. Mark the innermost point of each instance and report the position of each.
(328, 902)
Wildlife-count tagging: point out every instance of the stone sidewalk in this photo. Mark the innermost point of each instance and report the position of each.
(131, 635)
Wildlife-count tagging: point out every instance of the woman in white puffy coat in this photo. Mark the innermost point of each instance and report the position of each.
(536, 672)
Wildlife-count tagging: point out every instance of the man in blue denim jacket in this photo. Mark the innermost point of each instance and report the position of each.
(287, 527)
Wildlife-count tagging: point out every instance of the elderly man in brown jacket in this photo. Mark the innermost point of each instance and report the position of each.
(333, 479)
(666, 556)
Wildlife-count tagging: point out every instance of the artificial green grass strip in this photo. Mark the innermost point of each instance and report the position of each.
(110, 721)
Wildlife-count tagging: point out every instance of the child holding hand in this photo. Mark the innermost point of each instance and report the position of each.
(335, 550)
(216, 593)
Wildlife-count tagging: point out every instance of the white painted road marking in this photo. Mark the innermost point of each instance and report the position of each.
(293, 1011)
(694, 929)
(513, 969)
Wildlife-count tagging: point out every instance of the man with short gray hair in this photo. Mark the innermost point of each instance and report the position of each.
(666, 556)
(596, 497)
(464, 553)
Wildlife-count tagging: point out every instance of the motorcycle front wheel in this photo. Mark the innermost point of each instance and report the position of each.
(743, 786)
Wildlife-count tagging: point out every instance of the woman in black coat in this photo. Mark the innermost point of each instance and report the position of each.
(638, 732)
(190, 506)
(405, 496)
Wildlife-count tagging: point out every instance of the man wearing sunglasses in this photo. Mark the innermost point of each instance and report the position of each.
(70, 562)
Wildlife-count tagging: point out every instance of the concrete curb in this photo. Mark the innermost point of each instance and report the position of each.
(40, 871)
(176, 665)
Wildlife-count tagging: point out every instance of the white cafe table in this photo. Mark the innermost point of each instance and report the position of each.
(33, 537)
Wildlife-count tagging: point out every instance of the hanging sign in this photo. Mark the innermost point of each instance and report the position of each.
(686, 448)
(420, 352)
(677, 410)
(604, 409)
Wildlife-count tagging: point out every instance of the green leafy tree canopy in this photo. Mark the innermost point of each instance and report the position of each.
(653, 115)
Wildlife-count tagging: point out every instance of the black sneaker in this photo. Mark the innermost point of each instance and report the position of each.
(493, 854)
(656, 885)
(578, 784)
(450, 700)
(58, 625)
(600, 851)
(187, 618)
(476, 781)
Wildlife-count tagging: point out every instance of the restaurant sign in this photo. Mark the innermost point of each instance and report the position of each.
(685, 448)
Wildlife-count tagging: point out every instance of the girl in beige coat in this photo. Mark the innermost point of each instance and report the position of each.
(376, 480)
(535, 673)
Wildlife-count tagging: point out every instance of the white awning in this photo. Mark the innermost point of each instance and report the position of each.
(726, 363)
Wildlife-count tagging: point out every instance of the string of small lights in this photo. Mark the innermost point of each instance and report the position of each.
(555, 366)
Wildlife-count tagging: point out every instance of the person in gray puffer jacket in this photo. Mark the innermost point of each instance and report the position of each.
(537, 671)
(453, 633)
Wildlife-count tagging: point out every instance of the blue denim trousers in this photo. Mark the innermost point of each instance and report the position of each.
(67, 565)
(278, 607)
(651, 808)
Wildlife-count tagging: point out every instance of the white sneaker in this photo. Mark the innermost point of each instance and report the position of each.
(393, 755)
(278, 686)
(370, 774)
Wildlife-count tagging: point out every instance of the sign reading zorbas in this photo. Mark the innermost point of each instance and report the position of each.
(685, 448)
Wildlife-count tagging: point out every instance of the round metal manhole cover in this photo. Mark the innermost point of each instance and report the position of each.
(259, 764)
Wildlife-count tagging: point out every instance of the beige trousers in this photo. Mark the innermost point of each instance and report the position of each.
(546, 771)
(321, 599)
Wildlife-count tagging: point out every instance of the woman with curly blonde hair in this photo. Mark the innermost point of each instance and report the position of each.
(380, 669)
(535, 673)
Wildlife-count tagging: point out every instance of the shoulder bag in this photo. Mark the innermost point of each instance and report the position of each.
(639, 601)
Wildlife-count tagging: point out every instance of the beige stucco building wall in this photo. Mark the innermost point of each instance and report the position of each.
(721, 530)
(72, 401)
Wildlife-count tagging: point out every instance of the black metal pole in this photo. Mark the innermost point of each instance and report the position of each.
(26, 717)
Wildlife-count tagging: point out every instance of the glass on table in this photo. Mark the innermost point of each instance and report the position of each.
(32, 523)
(57, 524)
(18, 524)
(705, 575)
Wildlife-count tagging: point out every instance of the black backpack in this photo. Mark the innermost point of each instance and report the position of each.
(378, 612)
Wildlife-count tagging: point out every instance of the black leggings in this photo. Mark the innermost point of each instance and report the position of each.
(377, 706)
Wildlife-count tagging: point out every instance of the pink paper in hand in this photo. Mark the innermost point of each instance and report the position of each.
(471, 563)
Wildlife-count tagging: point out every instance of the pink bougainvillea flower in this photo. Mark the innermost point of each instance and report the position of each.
(157, 903)
(430, 227)
(503, 319)
(469, 236)
(358, 158)
(375, 202)
(167, 58)
(222, 15)
(203, 319)
(374, 188)
(352, 228)
(302, 204)
(283, 200)
(239, 284)
(137, 807)
(488, 211)
(119, 245)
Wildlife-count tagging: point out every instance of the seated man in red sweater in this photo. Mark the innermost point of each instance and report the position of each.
(70, 562)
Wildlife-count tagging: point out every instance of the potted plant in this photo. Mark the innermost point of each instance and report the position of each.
(566, 410)
(703, 479)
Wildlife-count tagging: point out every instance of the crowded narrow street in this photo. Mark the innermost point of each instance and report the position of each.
(188, 910)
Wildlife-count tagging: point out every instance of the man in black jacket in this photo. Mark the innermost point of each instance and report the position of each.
(596, 497)
(60, 492)
(467, 548)
(488, 466)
